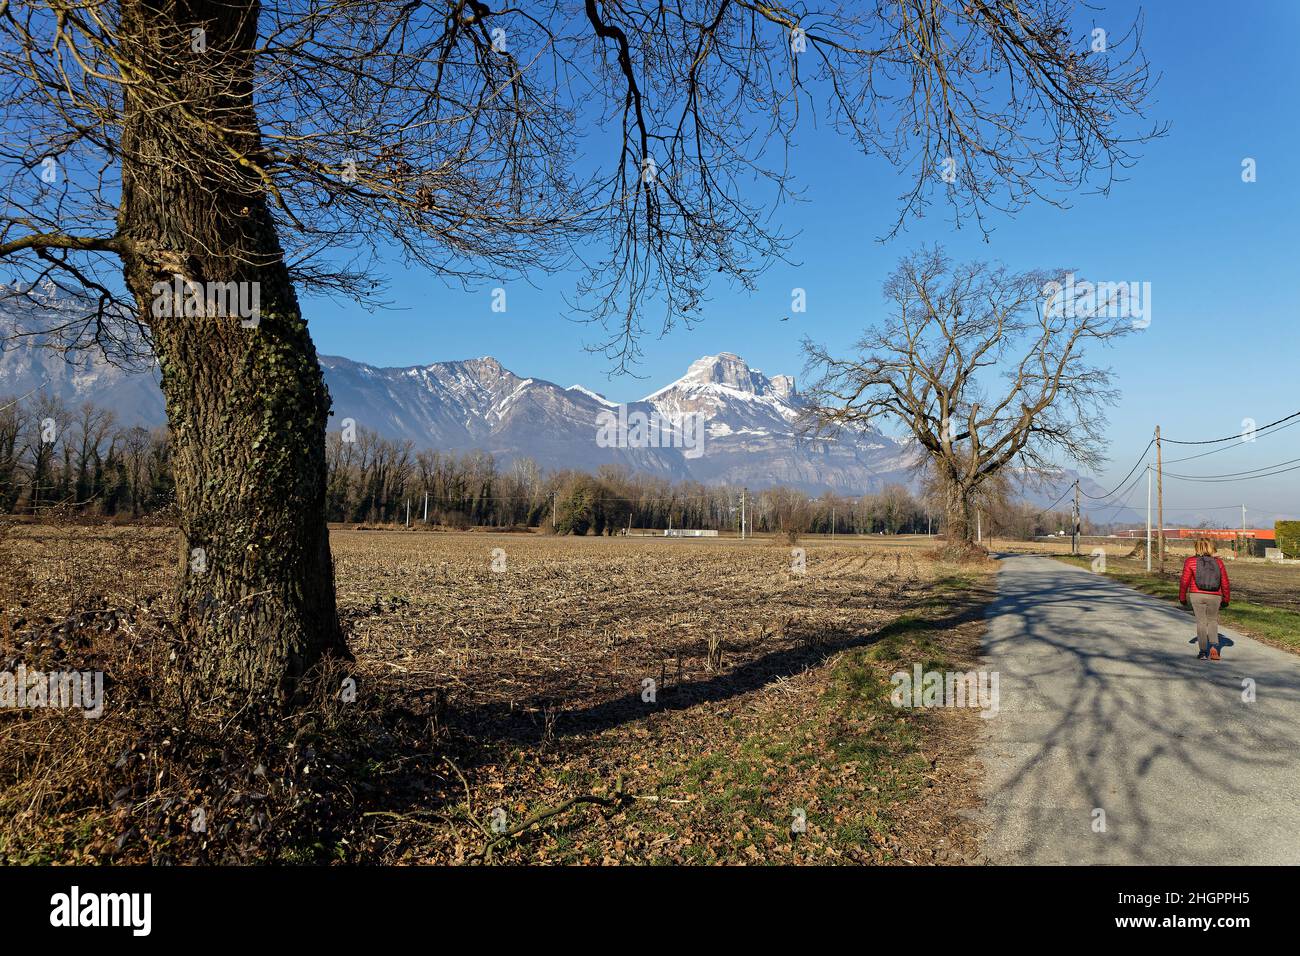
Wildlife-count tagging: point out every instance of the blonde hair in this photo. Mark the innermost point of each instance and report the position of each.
(1204, 546)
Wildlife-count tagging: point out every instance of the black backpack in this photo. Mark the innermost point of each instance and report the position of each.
(1207, 574)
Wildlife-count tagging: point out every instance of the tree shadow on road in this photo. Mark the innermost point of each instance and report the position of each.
(1105, 707)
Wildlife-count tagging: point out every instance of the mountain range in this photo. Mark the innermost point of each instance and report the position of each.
(748, 422)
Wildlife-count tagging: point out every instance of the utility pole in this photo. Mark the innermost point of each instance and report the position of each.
(426, 507)
(408, 512)
(1160, 499)
(1242, 549)
(1074, 537)
(1148, 518)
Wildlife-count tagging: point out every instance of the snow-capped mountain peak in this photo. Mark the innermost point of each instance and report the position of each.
(729, 373)
(750, 422)
(583, 390)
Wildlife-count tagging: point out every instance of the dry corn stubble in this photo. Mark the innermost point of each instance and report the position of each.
(488, 685)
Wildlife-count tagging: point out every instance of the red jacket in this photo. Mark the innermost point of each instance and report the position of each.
(1189, 581)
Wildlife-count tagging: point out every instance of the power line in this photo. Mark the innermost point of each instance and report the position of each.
(21, 397)
(1266, 471)
(1100, 497)
(1234, 474)
(1230, 478)
(1236, 437)
(1207, 508)
(1215, 451)
(1124, 500)
(1056, 502)
(1247, 475)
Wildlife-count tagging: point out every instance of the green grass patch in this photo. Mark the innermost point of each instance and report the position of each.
(908, 637)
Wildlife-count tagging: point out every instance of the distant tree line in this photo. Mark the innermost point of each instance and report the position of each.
(79, 460)
(376, 480)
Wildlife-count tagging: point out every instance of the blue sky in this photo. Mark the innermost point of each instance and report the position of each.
(1220, 254)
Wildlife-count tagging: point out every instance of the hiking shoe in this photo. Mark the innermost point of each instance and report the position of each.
(1202, 655)
(1214, 653)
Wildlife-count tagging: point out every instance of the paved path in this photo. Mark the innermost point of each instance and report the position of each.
(1104, 705)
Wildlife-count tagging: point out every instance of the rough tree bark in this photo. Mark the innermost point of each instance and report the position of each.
(958, 529)
(247, 406)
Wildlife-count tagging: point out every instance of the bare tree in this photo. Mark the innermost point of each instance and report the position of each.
(162, 155)
(47, 439)
(13, 422)
(932, 366)
(91, 429)
(135, 444)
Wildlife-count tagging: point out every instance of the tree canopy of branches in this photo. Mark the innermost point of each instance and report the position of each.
(290, 145)
(933, 366)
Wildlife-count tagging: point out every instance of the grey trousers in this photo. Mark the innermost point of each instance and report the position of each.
(1206, 608)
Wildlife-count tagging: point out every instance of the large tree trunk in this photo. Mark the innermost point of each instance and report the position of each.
(958, 528)
(247, 406)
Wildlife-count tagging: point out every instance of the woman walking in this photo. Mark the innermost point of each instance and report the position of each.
(1205, 583)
